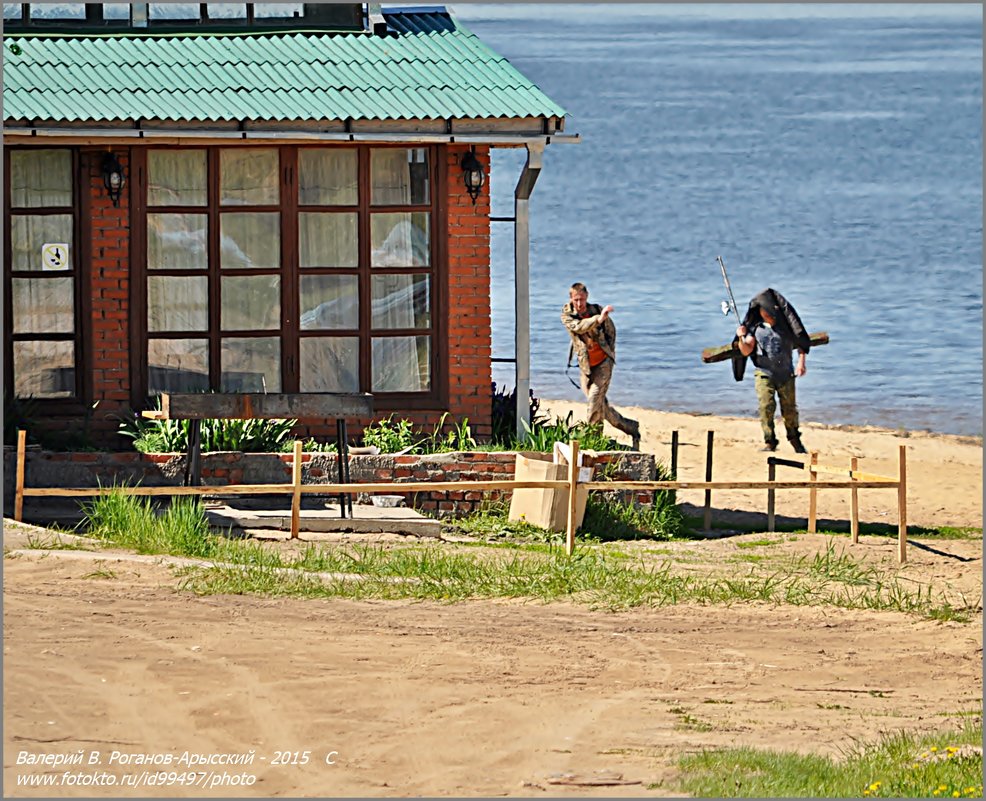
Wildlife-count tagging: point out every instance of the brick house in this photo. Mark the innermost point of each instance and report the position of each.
(256, 197)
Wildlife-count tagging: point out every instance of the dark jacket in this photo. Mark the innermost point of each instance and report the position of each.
(787, 323)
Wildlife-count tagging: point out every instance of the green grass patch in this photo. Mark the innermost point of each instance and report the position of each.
(758, 543)
(900, 765)
(605, 520)
(592, 575)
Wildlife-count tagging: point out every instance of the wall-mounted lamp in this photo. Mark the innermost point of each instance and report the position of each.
(113, 177)
(472, 174)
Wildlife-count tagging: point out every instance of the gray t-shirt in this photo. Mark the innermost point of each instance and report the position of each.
(772, 354)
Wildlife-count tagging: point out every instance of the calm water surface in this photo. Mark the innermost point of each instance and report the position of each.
(831, 152)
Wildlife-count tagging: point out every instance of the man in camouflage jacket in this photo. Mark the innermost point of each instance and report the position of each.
(594, 343)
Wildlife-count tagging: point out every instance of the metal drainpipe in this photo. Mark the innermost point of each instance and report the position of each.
(522, 288)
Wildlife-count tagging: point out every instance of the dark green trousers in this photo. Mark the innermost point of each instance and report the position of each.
(767, 388)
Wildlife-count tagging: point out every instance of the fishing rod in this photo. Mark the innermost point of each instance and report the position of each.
(729, 289)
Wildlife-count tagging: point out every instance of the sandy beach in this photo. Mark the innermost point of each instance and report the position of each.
(944, 472)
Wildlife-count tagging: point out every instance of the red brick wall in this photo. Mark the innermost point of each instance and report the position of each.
(470, 333)
(110, 282)
(468, 292)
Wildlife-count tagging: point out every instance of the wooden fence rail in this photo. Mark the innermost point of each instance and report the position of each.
(296, 489)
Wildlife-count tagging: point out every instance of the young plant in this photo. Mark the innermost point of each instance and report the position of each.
(391, 436)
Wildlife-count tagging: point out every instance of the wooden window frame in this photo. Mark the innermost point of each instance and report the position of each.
(290, 334)
(80, 210)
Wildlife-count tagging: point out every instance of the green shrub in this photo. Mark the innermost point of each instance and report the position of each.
(543, 436)
(391, 436)
(458, 438)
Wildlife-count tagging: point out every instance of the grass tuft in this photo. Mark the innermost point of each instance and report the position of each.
(900, 765)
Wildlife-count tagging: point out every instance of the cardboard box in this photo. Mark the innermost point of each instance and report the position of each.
(547, 508)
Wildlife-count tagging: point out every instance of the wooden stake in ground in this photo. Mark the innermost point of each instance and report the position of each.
(674, 465)
(707, 521)
(296, 497)
(771, 475)
(812, 494)
(853, 502)
(19, 491)
(573, 480)
(902, 504)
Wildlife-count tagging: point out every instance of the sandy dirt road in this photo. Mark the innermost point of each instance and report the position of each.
(473, 699)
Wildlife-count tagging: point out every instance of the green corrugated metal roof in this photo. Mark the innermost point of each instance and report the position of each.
(432, 68)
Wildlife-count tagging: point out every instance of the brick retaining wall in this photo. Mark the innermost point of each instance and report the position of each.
(57, 469)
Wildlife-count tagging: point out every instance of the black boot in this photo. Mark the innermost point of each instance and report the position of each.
(797, 444)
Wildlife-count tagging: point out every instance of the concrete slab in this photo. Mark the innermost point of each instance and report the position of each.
(366, 520)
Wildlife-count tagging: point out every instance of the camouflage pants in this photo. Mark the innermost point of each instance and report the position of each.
(766, 387)
(595, 386)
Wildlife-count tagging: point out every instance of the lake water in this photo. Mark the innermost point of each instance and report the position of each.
(831, 152)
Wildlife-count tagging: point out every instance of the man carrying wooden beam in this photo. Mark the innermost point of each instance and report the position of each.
(769, 333)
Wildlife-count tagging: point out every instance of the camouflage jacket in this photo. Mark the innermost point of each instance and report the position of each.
(585, 329)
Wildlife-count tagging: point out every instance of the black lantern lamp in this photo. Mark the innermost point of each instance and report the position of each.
(113, 177)
(473, 175)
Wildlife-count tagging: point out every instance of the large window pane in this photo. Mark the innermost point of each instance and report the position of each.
(177, 303)
(250, 302)
(249, 177)
(177, 242)
(400, 239)
(330, 364)
(251, 364)
(29, 235)
(401, 364)
(40, 178)
(400, 301)
(44, 369)
(329, 301)
(176, 178)
(399, 176)
(177, 365)
(327, 240)
(251, 240)
(43, 305)
(327, 177)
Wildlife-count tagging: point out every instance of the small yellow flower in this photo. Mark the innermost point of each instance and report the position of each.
(934, 748)
(956, 794)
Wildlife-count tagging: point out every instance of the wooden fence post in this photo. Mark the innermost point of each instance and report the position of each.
(296, 495)
(674, 465)
(854, 502)
(812, 495)
(902, 504)
(771, 475)
(708, 477)
(573, 481)
(19, 490)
